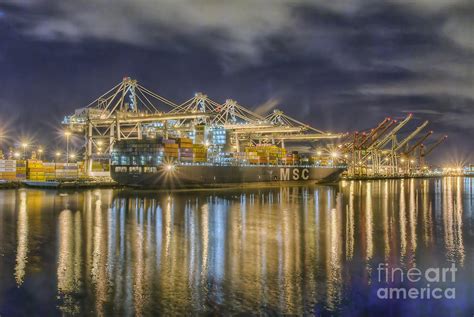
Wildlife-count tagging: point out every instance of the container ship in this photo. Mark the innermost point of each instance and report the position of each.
(178, 162)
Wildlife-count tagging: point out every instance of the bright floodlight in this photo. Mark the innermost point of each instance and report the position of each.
(169, 167)
(24, 144)
(58, 154)
(334, 154)
(16, 154)
(67, 133)
(73, 156)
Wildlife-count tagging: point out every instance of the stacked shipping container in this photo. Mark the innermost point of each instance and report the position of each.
(265, 154)
(20, 170)
(35, 170)
(185, 149)
(67, 170)
(7, 169)
(49, 171)
(170, 149)
(199, 153)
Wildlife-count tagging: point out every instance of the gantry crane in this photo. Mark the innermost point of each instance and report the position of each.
(379, 151)
(130, 111)
(417, 144)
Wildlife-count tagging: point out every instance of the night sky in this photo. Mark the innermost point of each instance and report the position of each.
(338, 65)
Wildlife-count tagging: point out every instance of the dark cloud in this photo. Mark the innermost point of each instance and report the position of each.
(340, 65)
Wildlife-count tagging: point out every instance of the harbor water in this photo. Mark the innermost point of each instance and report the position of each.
(316, 250)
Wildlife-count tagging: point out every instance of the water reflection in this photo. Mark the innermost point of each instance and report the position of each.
(22, 244)
(291, 250)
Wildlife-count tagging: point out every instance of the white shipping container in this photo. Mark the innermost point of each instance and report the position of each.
(8, 169)
(7, 162)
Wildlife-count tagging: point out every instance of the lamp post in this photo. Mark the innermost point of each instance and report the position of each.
(67, 134)
(57, 154)
(40, 152)
(335, 156)
(24, 145)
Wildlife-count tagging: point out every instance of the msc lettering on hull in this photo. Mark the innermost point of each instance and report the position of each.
(296, 174)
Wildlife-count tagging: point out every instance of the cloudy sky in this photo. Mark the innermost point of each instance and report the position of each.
(338, 65)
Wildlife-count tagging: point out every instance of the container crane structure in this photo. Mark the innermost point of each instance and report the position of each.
(382, 152)
(425, 152)
(130, 111)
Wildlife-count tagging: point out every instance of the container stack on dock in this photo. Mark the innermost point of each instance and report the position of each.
(21, 170)
(67, 171)
(49, 171)
(7, 169)
(35, 170)
(185, 149)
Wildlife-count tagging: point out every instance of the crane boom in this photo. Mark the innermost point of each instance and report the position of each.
(374, 132)
(385, 129)
(418, 143)
(386, 139)
(411, 136)
(435, 145)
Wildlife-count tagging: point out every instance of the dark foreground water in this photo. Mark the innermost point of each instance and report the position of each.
(322, 250)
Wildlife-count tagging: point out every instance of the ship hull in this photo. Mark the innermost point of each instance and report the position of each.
(181, 176)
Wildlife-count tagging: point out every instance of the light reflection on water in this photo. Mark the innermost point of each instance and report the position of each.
(290, 250)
